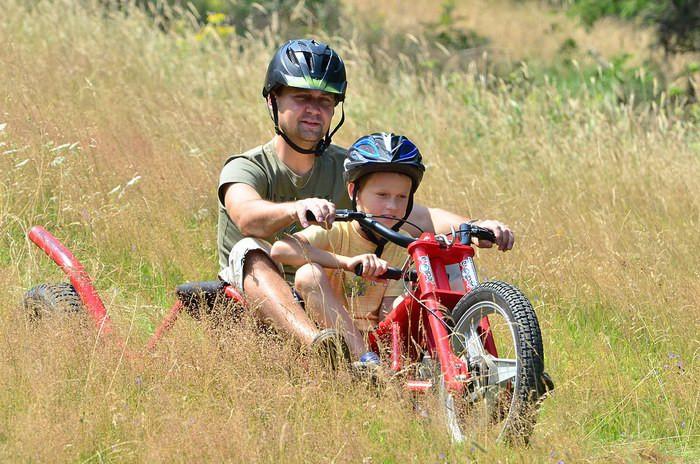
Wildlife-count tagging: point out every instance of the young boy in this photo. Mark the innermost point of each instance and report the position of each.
(382, 172)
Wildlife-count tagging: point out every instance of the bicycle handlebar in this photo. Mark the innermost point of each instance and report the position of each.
(346, 215)
(465, 232)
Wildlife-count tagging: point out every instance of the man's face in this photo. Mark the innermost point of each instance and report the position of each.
(305, 115)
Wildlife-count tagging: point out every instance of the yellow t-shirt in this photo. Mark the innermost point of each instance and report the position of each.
(363, 298)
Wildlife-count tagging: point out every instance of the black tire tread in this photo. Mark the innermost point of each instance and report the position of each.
(51, 298)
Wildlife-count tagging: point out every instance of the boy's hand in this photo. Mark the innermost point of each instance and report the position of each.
(372, 266)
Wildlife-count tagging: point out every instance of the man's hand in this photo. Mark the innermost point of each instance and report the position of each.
(323, 210)
(504, 236)
(372, 266)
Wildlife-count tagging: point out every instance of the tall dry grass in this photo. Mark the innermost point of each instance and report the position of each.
(112, 137)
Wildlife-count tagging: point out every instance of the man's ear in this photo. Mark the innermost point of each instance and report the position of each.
(269, 101)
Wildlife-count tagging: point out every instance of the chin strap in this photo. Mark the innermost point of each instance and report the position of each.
(322, 144)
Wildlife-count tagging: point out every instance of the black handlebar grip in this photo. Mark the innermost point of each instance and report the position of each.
(310, 216)
(393, 273)
(466, 231)
(486, 235)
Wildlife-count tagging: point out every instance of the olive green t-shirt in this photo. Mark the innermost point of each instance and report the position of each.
(274, 181)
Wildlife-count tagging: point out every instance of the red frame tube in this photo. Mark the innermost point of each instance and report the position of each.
(165, 325)
(395, 347)
(484, 331)
(420, 386)
(414, 325)
(78, 276)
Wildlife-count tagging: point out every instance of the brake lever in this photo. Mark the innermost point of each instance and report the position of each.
(444, 240)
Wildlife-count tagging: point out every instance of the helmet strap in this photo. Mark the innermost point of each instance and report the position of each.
(409, 208)
(322, 144)
(327, 142)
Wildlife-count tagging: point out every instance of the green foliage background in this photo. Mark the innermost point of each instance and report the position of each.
(677, 22)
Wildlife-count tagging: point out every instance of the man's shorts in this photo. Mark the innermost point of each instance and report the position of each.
(233, 273)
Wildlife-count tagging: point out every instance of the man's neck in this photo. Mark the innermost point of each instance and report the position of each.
(299, 163)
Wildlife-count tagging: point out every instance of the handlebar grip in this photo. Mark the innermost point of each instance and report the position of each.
(311, 217)
(341, 215)
(393, 273)
(485, 234)
(467, 231)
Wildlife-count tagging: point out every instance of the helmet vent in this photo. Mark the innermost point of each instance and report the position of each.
(309, 59)
(292, 56)
(325, 61)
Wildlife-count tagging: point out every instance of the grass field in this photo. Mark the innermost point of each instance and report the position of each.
(112, 134)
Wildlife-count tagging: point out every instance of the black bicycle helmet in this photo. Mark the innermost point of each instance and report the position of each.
(306, 64)
(384, 152)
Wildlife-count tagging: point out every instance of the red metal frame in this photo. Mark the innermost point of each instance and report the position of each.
(165, 325)
(418, 321)
(78, 276)
(82, 283)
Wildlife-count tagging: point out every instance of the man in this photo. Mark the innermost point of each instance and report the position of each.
(266, 192)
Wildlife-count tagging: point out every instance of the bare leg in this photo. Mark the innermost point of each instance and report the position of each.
(325, 306)
(266, 289)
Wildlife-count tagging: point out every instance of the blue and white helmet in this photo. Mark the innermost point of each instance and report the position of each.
(384, 152)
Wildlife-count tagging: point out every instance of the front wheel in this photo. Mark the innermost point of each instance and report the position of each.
(497, 334)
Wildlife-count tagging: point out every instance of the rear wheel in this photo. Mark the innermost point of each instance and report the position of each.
(505, 360)
(53, 298)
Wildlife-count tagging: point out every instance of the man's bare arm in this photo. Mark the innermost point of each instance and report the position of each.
(439, 221)
(256, 217)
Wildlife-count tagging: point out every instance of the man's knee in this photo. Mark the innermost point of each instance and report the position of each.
(309, 277)
(257, 260)
(259, 266)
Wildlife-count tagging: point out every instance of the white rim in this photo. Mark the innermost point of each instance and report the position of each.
(497, 373)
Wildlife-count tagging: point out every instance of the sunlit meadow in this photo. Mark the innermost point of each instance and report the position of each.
(112, 134)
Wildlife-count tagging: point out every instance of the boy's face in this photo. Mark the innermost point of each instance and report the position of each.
(383, 193)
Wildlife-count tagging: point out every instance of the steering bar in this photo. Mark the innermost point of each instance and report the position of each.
(346, 215)
(466, 231)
